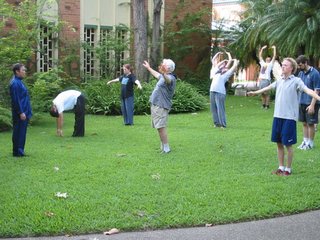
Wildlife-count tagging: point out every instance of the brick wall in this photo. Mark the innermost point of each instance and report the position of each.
(69, 37)
(200, 45)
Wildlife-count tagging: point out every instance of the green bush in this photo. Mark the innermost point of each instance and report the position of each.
(5, 119)
(105, 99)
(45, 87)
(187, 99)
(102, 98)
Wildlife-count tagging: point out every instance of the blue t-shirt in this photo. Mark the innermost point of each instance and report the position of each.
(127, 82)
(311, 79)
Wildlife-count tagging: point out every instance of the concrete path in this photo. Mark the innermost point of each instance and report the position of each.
(303, 226)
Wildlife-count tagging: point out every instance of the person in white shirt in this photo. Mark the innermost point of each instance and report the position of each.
(265, 75)
(69, 100)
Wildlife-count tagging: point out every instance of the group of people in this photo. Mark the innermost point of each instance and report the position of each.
(161, 102)
(296, 99)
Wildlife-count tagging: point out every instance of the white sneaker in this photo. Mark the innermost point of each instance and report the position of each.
(307, 147)
(302, 146)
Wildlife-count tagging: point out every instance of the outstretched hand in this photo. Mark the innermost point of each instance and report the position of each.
(251, 93)
(146, 65)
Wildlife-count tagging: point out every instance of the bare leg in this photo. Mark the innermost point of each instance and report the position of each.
(290, 156)
(305, 130)
(311, 131)
(280, 154)
(163, 135)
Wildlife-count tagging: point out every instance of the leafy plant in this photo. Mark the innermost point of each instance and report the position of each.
(105, 99)
(5, 119)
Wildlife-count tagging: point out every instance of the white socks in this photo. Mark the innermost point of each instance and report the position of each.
(166, 148)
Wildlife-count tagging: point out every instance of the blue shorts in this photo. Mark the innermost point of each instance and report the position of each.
(284, 131)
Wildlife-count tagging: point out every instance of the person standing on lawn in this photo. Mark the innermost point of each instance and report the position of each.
(286, 112)
(264, 78)
(219, 75)
(309, 107)
(21, 109)
(69, 100)
(127, 80)
(161, 99)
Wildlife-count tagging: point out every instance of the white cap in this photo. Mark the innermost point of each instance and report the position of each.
(170, 64)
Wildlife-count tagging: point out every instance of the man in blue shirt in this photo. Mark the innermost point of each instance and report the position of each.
(21, 109)
(309, 107)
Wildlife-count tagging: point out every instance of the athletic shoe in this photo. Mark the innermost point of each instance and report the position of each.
(278, 172)
(166, 151)
(306, 147)
(302, 145)
(286, 173)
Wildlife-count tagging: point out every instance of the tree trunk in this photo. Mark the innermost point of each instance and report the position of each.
(155, 48)
(140, 38)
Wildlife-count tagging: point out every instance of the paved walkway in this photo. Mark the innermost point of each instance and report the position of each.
(304, 226)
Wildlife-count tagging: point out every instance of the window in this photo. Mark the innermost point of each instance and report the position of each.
(106, 54)
(89, 55)
(46, 56)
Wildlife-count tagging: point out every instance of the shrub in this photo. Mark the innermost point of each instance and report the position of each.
(5, 119)
(45, 88)
(105, 99)
(102, 98)
(187, 99)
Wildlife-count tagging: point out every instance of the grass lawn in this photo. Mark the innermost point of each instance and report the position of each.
(115, 177)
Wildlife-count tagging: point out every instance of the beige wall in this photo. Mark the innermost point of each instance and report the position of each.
(105, 12)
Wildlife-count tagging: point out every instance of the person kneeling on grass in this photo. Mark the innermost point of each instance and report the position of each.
(68, 100)
(286, 112)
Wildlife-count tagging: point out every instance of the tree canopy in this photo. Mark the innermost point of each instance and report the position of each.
(292, 25)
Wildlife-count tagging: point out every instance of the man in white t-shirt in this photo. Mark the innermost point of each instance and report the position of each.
(69, 100)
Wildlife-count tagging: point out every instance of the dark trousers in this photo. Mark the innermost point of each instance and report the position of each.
(19, 135)
(79, 113)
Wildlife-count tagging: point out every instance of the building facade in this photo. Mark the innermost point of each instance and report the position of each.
(95, 37)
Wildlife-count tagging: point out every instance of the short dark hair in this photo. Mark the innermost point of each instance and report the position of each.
(53, 112)
(16, 67)
(302, 59)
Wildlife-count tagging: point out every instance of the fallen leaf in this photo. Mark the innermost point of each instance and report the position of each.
(111, 231)
(121, 155)
(61, 195)
(141, 213)
(155, 176)
(49, 214)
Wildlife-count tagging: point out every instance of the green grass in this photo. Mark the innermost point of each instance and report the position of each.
(115, 176)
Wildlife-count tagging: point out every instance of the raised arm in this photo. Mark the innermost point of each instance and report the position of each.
(235, 64)
(274, 54)
(253, 93)
(229, 60)
(113, 81)
(215, 57)
(312, 93)
(261, 51)
(152, 71)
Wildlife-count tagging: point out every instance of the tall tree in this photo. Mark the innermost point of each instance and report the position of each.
(140, 38)
(155, 47)
(292, 25)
